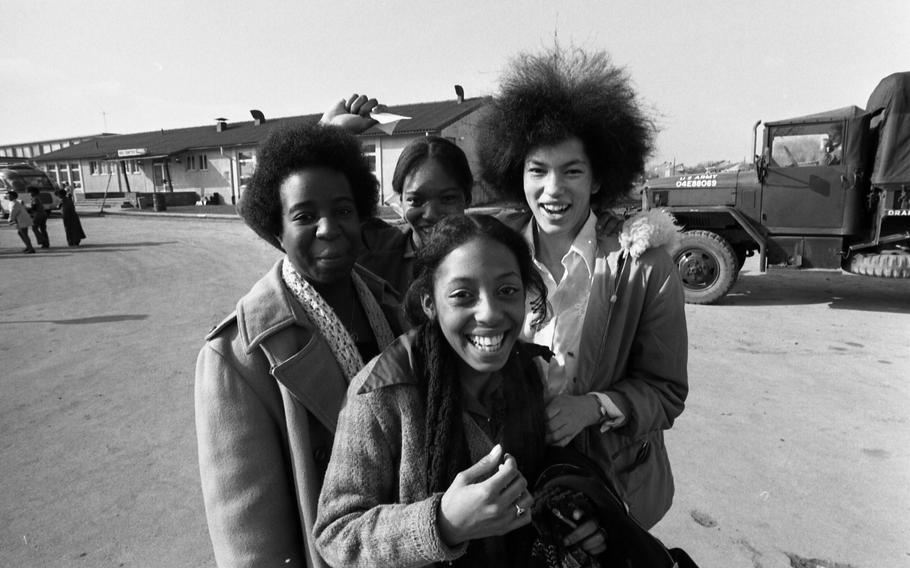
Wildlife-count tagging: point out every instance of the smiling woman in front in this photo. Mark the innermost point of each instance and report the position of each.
(441, 432)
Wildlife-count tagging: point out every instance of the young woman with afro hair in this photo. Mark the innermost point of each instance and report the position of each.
(567, 135)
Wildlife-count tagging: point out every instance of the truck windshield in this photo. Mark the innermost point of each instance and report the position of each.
(22, 181)
(804, 145)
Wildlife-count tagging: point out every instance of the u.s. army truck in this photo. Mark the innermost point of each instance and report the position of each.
(828, 190)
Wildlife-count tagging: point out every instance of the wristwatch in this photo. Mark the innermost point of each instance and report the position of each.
(601, 408)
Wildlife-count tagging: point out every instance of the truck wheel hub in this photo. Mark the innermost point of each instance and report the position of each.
(697, 268)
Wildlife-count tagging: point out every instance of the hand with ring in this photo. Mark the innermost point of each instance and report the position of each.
(489, 498)
(523, 504)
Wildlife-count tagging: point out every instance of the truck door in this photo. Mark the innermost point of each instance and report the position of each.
(803, 191)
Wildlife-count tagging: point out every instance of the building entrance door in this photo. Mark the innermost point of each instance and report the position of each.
(158, 176)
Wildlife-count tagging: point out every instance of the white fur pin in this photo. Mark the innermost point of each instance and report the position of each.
(649, 229)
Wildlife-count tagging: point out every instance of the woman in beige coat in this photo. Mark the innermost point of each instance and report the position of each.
(271, 378)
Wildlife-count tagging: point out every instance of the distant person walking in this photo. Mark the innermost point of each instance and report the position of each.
(39, 218)
(71, 224)
(19, 216)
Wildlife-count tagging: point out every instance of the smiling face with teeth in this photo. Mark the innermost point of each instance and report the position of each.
(558, 184)
(479, 301)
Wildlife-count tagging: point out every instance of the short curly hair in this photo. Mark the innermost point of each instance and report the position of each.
(290, 149)
(548, 98)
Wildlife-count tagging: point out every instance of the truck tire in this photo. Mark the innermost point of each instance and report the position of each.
(883, 265)
(707, 266)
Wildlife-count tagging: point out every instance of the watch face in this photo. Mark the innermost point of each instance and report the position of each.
(600, 407)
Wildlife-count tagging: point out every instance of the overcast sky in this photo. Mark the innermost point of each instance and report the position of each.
(708, 69)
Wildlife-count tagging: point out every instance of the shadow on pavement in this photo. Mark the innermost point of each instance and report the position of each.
(96, 247)
(119, 246)
(92, 319)
(839, 290)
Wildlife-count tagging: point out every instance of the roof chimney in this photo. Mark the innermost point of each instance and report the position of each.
(220, 124)
(459, 92)
(258, 117)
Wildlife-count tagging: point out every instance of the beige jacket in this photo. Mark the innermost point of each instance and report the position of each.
(634, 348)
(268, 394)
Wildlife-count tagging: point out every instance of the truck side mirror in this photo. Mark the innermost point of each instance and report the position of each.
(761, 166)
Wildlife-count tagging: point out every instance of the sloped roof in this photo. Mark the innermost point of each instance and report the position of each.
(425, 117)
(828, 115)
(429, 117)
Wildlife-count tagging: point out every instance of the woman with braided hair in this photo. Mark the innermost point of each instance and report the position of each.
(458, 389)
(567, 135)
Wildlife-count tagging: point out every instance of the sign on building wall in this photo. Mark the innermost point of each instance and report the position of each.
(131, 152)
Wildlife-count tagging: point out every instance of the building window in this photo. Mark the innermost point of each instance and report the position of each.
(197, 162)
(246, 165)
(75, 176)
(369, 152)
(93, 169)
(129, 166)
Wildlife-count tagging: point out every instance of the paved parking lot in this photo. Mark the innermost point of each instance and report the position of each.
(795, 444)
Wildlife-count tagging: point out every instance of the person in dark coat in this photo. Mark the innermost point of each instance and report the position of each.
(71, 224)
(39, 218)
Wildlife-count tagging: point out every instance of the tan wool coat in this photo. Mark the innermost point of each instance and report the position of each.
(268, 393)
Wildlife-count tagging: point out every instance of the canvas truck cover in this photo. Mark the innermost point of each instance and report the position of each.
(891, 100)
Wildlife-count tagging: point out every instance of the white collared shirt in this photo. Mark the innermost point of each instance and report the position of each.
(568, 301)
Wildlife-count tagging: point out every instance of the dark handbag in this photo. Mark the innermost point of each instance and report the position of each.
(572, 490)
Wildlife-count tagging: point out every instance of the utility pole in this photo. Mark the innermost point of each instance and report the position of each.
(104, 118)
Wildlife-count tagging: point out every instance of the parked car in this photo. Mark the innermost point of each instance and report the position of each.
(22, 177)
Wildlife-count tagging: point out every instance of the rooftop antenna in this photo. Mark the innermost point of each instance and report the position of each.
(104, 118)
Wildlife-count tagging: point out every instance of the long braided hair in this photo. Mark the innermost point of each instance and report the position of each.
(435, 362)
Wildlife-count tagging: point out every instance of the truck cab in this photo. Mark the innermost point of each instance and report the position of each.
(820, 195)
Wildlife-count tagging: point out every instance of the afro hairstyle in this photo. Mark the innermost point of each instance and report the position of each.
(548, 98)
(293, 148)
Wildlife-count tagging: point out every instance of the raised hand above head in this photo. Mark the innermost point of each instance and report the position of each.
(353, 113)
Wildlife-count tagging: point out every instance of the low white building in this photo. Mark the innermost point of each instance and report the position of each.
(196, 162)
